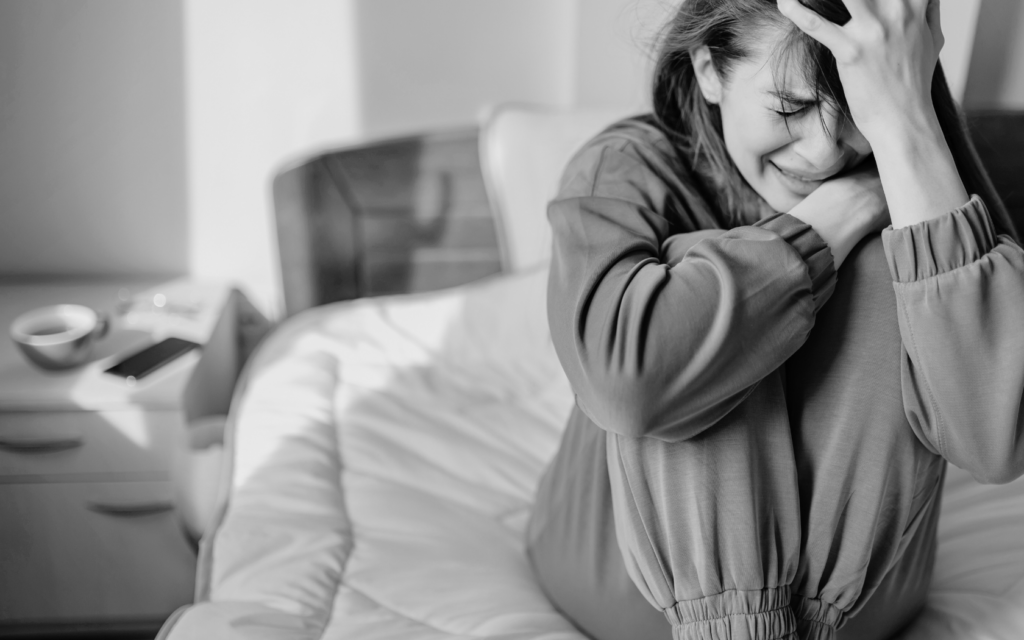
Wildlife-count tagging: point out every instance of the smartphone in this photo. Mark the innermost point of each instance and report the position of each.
(142, 363)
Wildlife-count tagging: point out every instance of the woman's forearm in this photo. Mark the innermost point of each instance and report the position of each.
(919, 175)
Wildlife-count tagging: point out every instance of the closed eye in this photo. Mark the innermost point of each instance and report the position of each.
(791, 104)
(790, 113)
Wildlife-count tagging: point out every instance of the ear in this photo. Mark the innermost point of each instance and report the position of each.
(707, 76)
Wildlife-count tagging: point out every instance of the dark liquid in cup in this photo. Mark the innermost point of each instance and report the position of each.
(49, 329)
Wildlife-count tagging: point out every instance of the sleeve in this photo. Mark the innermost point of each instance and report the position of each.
(663, 334)
(960, 298)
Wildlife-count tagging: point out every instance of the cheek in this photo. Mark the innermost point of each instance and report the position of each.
(750, 135)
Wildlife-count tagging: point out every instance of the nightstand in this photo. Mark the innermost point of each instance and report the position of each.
(89, 537)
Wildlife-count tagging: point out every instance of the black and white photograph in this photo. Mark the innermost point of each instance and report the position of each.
(512, 319)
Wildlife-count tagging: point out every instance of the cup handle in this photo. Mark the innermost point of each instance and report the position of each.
(102, 325)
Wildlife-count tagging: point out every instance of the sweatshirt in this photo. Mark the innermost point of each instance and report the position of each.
(672, 328)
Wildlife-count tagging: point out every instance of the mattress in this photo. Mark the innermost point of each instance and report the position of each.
(384, 456)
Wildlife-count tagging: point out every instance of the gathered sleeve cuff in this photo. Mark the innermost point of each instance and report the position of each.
(813, 250)
(936, 246)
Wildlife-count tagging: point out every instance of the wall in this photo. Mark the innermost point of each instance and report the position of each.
(436, 64)
(614, 51)
(426, 65)
(267, 81)
(959, 24)
(997, 66)
(92, 138)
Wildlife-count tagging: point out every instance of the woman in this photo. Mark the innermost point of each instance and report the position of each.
(767, 389)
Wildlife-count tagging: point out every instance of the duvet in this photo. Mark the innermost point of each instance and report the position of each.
(384, 454)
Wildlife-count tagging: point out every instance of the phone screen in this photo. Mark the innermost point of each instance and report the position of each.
(142, 363)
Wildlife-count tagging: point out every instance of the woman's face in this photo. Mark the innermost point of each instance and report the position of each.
(783, 161)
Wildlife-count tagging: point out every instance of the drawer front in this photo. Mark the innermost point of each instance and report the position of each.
(91, 553)
(35, 444)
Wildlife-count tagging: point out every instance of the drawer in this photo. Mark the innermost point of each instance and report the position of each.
(92, 554)
(36, 444)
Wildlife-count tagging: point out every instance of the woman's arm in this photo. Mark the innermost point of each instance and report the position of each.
(662, 334)
(959, 287)
(960, 298)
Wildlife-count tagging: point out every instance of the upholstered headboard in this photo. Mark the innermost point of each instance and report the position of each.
(523, 150)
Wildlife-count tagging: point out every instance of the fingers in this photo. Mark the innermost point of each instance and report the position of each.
(827, 33)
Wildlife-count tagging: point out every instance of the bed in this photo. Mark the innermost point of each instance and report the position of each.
(383, 454)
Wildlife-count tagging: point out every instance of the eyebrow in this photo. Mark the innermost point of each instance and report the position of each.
(789, 96)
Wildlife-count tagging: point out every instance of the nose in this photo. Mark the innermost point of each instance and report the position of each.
(825, 137)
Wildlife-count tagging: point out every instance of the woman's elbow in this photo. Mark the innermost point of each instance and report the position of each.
(637, 410)
(996, 469)
(619, 409)
(1002, 474)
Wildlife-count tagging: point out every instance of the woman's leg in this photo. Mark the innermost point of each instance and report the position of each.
(869, 490)
(709, 528)
(701, 523)
(573, 549)
(826, 502)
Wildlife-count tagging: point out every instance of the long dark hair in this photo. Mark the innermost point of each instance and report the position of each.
(729, 29)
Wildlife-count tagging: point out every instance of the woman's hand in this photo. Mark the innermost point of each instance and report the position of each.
(845, 209)
(886, 55)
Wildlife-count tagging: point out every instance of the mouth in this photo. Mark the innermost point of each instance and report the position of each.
(796, 182)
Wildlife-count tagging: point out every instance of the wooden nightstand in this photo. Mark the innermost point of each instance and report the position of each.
(89, 537)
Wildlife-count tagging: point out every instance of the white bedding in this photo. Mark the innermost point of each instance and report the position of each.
(385, 455)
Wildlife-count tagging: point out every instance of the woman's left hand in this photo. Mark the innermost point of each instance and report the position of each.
(886, 55)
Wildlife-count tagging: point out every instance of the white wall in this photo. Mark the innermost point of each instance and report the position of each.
(92, 138)
(427, 65)
(267, 80)
(434, 64)
(614, 52)
(959, 23)
(997, 67)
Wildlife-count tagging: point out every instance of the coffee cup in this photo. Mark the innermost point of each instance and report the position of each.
(58, 337)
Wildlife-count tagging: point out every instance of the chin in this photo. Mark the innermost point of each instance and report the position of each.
(775, 194)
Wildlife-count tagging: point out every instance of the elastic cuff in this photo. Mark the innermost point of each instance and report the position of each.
(735, 615)
(816, 619)
(812, 248)
(941, 244)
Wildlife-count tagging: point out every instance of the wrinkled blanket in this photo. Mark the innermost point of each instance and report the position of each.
(383, 458)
